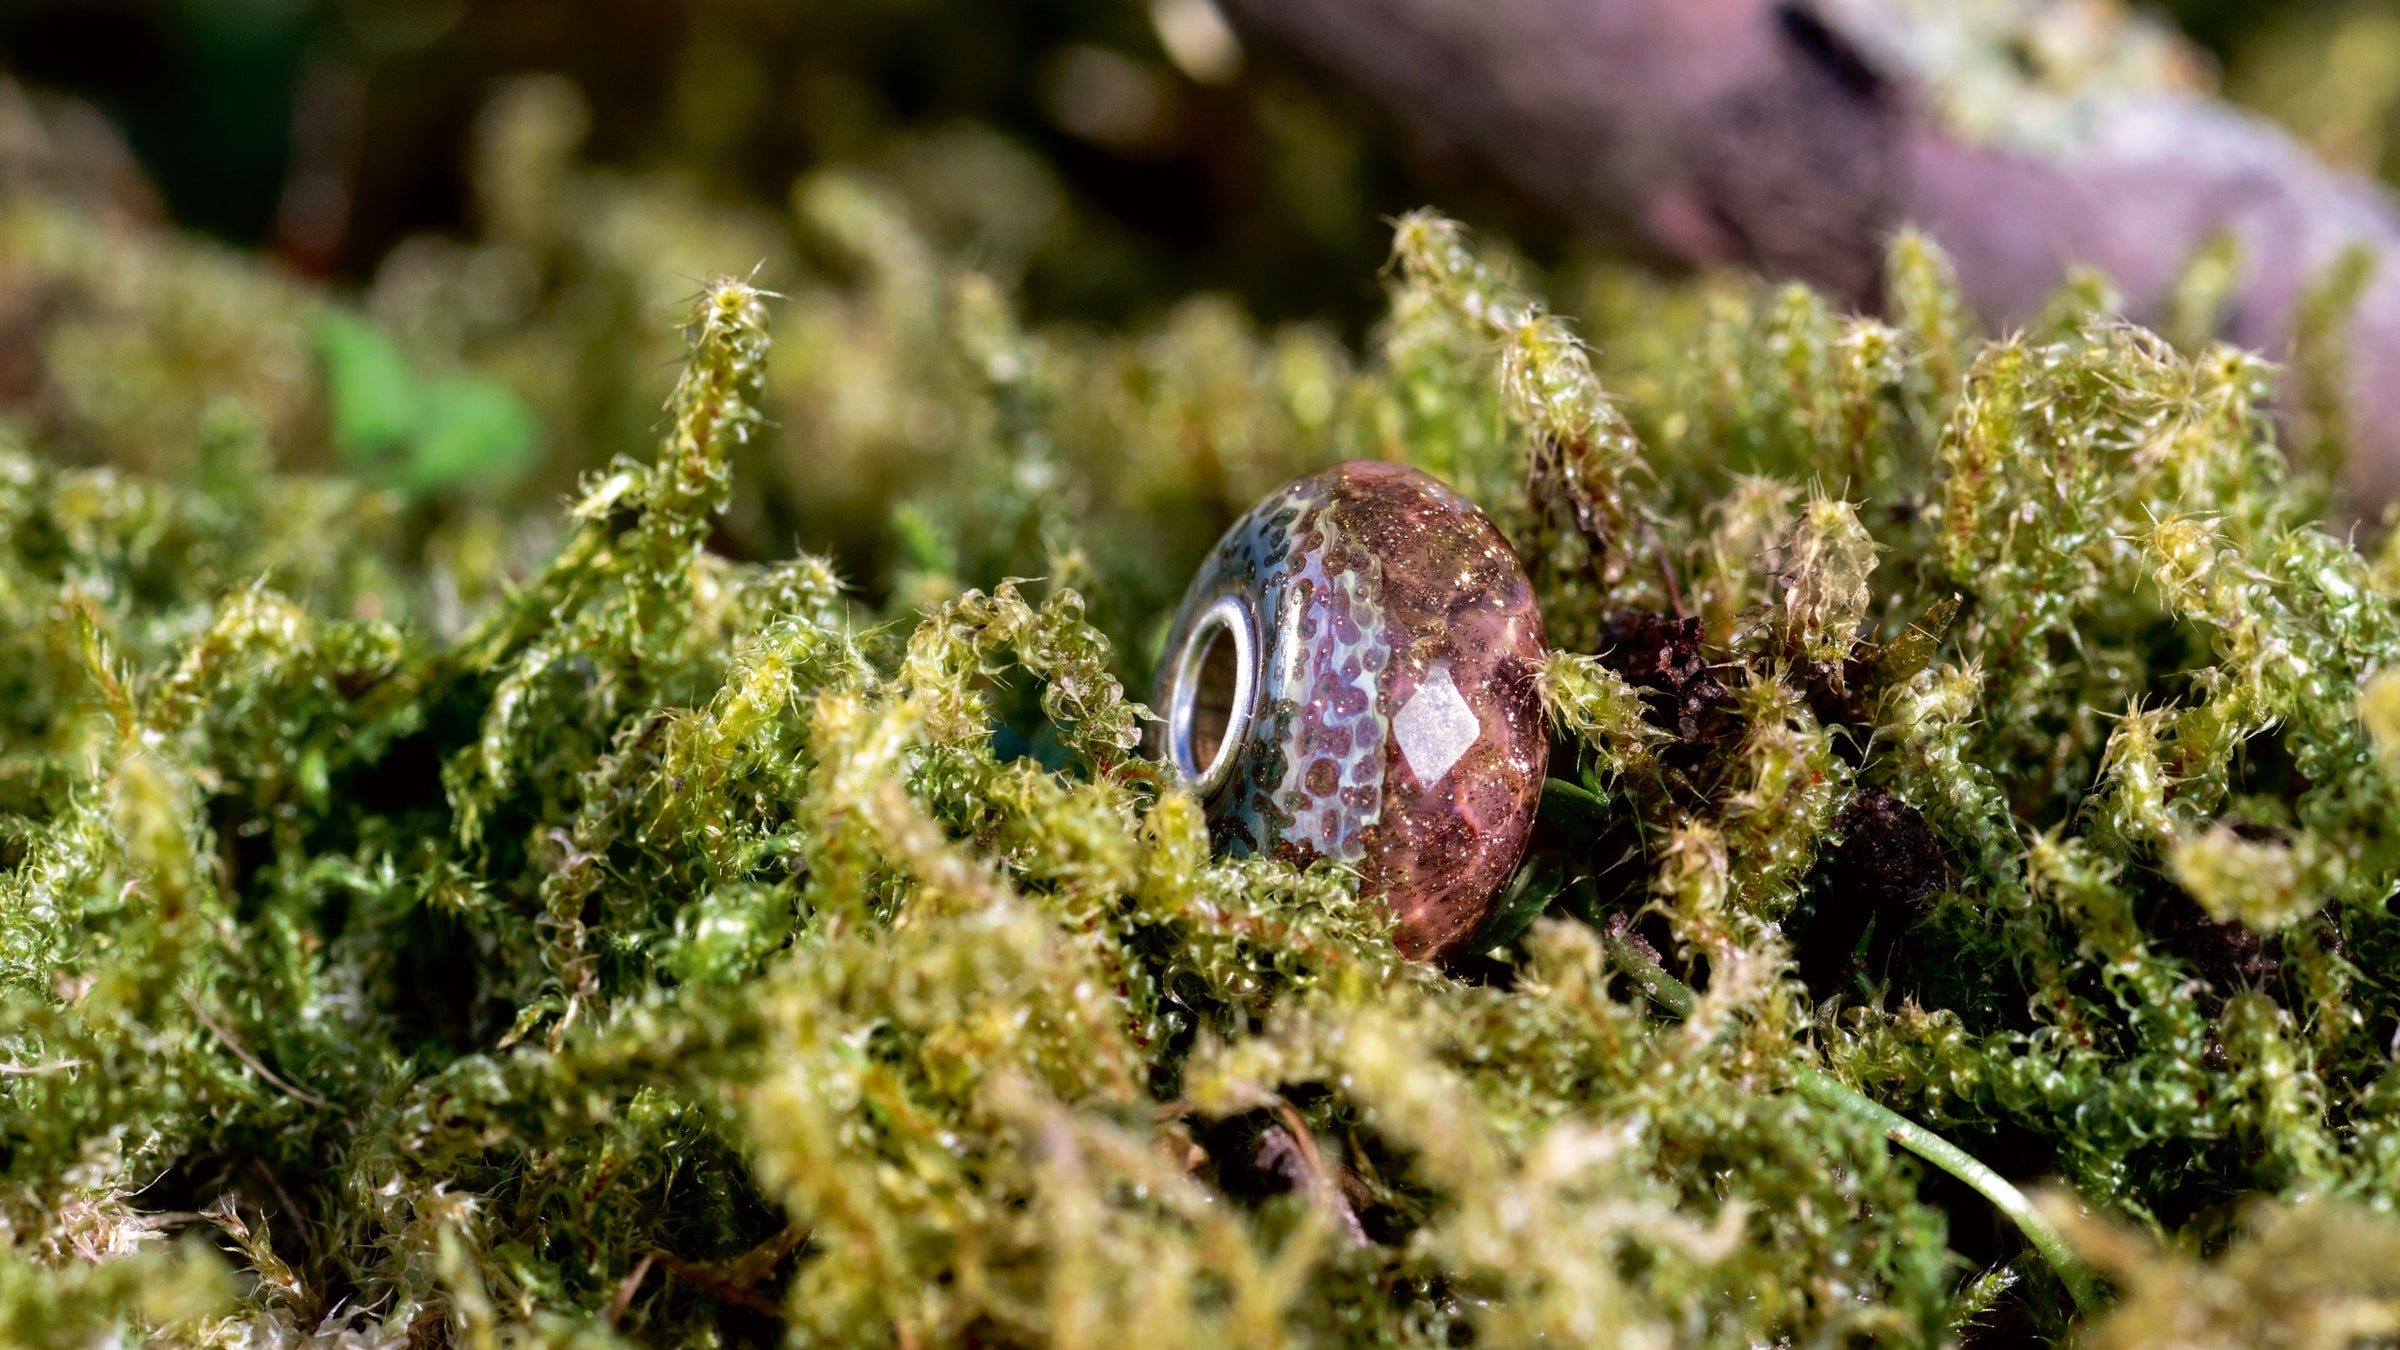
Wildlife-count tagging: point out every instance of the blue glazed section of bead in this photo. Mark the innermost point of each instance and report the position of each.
(1326, 656)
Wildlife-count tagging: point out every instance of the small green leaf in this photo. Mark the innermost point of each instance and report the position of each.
(1576, 810)
(1529, 894)
(375, 398)
(425, 436)
(921, 541)
(470, 431)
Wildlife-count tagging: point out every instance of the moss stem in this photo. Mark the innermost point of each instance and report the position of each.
(1824, 1089)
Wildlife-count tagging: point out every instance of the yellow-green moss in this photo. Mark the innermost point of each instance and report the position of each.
(510, 926)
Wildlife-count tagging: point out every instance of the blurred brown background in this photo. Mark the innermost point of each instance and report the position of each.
(328, 130)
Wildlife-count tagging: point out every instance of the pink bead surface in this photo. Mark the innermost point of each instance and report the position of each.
(1392, 717)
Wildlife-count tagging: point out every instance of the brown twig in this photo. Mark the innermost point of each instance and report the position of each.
(242, 1053)
(735, 1281)
(291, 1207)
(626, 1289)
(707, 1279)
(166, 1218)
(1666, 568)
(1326, 1190)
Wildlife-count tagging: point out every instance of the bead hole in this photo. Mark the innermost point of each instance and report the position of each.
(1213, 690)
(1212, 697)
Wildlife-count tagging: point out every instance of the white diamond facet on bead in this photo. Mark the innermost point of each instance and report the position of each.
(1435, 727)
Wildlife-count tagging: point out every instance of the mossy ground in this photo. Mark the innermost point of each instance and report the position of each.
(432, 918)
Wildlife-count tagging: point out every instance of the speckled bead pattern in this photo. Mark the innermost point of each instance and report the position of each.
(1395, 719)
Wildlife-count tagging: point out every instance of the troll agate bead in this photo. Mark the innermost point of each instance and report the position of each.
(1355, 675)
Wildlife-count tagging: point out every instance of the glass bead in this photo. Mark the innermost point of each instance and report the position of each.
(1355, 675)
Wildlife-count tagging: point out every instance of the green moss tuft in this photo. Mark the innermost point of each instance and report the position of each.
(496, 928)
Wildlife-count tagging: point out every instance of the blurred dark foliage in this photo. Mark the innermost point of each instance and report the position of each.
(2225, 27)
(327, 131)
(1100, 171)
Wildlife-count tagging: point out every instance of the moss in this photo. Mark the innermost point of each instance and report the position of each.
(472, 923)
